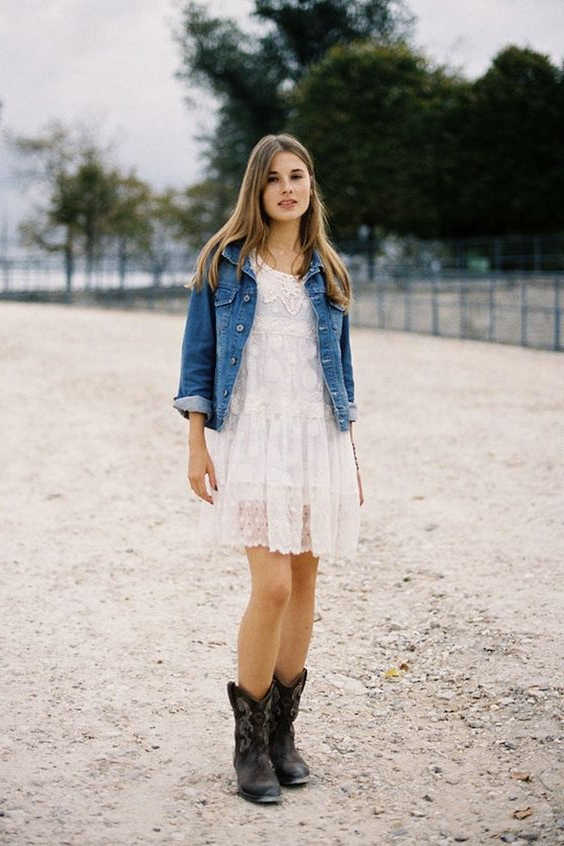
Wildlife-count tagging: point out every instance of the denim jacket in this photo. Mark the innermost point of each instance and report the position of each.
(218, 324)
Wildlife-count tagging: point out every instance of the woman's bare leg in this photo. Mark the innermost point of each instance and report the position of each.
(260, 627)
(297, 622)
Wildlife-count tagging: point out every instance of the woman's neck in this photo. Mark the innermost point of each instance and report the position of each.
(284, 237)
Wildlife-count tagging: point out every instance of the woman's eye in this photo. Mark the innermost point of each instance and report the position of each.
(297, 176)
(272, 178)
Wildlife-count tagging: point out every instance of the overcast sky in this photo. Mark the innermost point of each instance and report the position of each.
(112, 62)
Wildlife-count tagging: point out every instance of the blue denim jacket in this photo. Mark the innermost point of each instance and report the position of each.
(218, 324)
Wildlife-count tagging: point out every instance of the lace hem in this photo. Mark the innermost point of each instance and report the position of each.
(282, 522)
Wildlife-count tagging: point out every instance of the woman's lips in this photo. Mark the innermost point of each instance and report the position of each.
(287, 203)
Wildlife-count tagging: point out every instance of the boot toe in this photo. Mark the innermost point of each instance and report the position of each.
(261, 792)
(293, 774)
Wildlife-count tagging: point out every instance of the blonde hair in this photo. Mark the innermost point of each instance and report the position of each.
(249, 223)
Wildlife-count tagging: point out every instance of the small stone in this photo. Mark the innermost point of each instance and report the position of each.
(346, 683)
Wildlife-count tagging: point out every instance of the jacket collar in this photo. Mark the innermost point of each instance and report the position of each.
(232, 251)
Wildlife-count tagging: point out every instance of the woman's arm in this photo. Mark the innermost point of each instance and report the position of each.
(195, 389)
(346, 359)
(200, 463)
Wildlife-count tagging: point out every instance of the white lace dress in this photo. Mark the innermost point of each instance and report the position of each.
(285, 471)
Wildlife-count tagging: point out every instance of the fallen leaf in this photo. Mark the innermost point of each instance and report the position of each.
(521, 813)
(391, 673)
(521, 776)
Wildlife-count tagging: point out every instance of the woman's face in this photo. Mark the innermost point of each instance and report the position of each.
(288, 188)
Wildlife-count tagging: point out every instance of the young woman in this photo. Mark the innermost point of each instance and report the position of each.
(267, 372)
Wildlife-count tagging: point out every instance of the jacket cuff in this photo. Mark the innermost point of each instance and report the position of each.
(193, 403)
(353, 411)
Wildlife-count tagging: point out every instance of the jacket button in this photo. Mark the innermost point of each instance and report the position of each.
(239, 327)
(233, 359)
(225, 392)
(246, 298)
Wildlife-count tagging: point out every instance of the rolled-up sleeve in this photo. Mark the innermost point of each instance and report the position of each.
(347, 363)
(197, 368)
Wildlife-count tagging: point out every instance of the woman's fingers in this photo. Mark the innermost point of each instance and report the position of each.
(198, 485)
(202, 491)
(211, 474)
(199, 465)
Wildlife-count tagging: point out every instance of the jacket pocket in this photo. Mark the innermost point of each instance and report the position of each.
(224, 295)
(223, 301)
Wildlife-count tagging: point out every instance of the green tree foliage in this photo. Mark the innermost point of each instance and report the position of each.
(408, 148)
(251, 75)
(510, 142)
(90, 204)
(305, 30)
(128, 222)
(373, 116)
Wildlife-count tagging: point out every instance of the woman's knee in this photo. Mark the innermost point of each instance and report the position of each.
(276, 592)
(271, 575)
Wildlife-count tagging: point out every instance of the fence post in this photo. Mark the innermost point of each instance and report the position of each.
(435, 305)
(523, 290)
(557, 313)
(6, 273)
(407, 304)
(462, 307)
(491, 322)
(380, 296)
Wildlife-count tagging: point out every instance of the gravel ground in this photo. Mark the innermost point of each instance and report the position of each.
(433, 708)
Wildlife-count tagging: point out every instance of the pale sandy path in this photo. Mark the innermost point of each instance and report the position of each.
(117, 643)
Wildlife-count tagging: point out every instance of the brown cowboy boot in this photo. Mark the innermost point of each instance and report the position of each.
(289, 765)
(256, 779)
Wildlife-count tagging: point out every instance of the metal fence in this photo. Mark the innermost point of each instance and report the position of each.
(514, 307)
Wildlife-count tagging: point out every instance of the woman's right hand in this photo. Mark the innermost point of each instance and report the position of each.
(200, 464)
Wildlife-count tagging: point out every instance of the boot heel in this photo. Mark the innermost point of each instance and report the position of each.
(289, 765)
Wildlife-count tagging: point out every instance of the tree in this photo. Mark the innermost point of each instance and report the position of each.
(251, 76)
(511, 139)
(370, 114)
(89, 203)
(67, 164)
(306, 29)
(128, 222)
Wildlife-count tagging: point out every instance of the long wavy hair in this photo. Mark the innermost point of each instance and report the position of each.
(250, 224)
